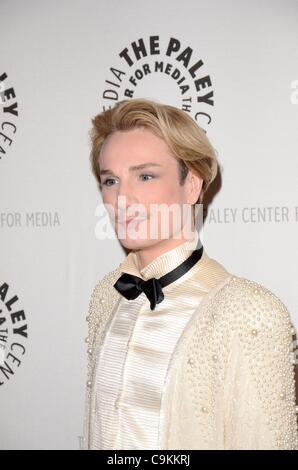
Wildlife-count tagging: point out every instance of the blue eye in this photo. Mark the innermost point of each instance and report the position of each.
(105, 183)
(111, 180)
(146, 174)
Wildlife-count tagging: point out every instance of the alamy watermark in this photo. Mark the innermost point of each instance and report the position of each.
(153, 222)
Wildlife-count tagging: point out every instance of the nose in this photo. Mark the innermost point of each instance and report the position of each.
(126, 192)
(124, 188)
(126, 198)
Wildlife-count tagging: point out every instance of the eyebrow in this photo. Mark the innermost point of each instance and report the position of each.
(132, 168)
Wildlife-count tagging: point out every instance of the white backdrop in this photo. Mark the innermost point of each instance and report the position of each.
(57, 59)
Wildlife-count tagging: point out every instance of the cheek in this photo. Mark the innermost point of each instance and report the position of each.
(109, 202)
(108, 197)
(167, 192)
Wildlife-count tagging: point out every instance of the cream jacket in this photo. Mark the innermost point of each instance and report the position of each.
(230, 383)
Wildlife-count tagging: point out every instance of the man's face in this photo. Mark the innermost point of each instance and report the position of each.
(138, 194)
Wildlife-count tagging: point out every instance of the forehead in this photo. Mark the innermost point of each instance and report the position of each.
(136, 145)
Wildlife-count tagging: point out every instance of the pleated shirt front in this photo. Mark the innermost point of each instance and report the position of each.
(136, 353)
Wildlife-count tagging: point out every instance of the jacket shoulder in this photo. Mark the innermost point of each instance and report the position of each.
(245, 308)
(102, 300)
(105, 282)
(252, 302)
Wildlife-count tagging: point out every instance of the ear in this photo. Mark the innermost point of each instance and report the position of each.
(195, 183)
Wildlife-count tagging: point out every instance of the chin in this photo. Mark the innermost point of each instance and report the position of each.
(137, 244)
(139, 240)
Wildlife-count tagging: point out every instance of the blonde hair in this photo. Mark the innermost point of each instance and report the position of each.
(186, 140)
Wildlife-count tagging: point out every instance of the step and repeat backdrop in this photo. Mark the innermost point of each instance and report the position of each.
(233, 66)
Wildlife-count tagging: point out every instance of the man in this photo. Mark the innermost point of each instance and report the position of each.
(182, 354)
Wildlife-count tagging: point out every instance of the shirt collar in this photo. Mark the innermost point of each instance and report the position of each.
(164, 263)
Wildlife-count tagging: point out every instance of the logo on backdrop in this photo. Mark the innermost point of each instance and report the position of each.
(158, 65)
(13, 333)
(8, 116)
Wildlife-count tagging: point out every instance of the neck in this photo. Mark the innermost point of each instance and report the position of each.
(148, 254)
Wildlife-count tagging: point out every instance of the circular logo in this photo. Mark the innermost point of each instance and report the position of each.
(13, 334)
(157, 67)
(9, 110)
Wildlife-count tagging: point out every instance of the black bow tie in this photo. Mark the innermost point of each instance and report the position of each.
(131, 286)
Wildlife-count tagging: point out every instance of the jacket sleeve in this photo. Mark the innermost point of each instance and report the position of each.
(92, 318)
(102, 301)
(260, 399)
